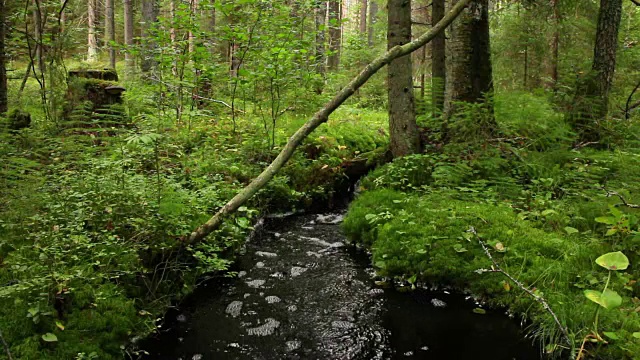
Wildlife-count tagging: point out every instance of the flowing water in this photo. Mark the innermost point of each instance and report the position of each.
(301, 294)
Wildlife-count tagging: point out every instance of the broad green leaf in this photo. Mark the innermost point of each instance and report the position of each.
(549, 212)
(613, 261)
(49, 337)
(611, 299)
(480, 311)
(459, 248)
(610, 232)
(636, 335)
(593, 296)
(571, 230)
(606, 220)
(611, 335)
(59, 325)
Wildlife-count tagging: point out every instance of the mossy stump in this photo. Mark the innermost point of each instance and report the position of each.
(93, 99)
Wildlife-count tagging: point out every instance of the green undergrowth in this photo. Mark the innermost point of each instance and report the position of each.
(92, 226)
(545, 210)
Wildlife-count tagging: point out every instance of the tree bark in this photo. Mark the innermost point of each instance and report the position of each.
(591, 100)
(363, 17)
(128, 35)
(110, 31)
(438, 62)
(555, 45)
(319, 118)
(403, 130)
(469, 77)
(320, 22)
(149, 18)
(373, 13)
(335, 35)
(38, 31)
(3, 67)
(92, 41)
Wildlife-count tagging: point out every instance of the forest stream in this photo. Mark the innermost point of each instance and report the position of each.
(301, 293)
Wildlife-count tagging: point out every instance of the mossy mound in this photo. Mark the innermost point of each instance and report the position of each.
(426, 238)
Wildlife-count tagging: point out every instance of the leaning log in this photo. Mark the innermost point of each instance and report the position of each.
(319, 118)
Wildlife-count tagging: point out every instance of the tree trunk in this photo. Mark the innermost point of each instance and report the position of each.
(128, 35)
(110, 31)
(149, 18)
(38, 31)
(363, 17)
(555, 45)
(592, 93)
(469, 77)
(318, 119)
(3, 67)
(320, 22)
(438, 62)
(193, 14)
(92, 41)
(373, 13)
(335, 35)
(403, 130)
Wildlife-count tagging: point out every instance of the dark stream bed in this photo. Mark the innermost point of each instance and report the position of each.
(301, 294)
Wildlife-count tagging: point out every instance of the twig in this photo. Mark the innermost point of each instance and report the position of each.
(624, 201)
(6, 346)
(495, 267)
(636, 2)
(196, 96)
(628, 109)
(584, 144)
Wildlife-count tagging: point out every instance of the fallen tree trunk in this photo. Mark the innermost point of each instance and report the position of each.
(321, 117)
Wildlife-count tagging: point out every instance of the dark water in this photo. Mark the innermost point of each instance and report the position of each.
(302, 295)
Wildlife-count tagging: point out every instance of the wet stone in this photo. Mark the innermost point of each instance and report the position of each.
(265, 329)
(181, 318)
(242, 274)
(259, 264)
(197, 357)
(234, 308)
(438, 303)
(292, 308)
(329, 219)
(376, 292)
(408, 353)
(255, 283)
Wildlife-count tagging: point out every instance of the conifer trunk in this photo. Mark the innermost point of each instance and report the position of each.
(335, 34)
(438, 61)
(591, 100)
(92, 41)
(3, 66)
(110, 31)
(403, 130)
(128, 34)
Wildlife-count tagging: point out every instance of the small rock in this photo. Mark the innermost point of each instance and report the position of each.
(376, 292)
(242, 274)
(408, 353)
(342, 324)
(259, 264)
(424, 348)
(197, 357)
(181, 318)
(292, 308)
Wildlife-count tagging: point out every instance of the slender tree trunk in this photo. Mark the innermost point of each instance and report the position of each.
(211, 29)
(150, 18)
(92, 41)
(38, 31)
(110, 31)
(470, 72)
(592, 93)
(320, 22)
(438, 61)
(318, 119)
(335, 34)
(363, 17)
(373, 13)
(193, 14)
(63, 17)
(555, 45)
(403, 130)
(128, 35)
(3, 67)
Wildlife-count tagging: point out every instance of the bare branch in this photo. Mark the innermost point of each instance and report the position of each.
(624, 201)
(6, 346)
(628, 107)
(495, 267)
(636, 2)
